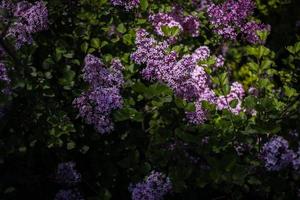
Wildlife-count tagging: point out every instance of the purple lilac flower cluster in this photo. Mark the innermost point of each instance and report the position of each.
(96, 104)
(219, 61)
(155, 187)
(187, 24)
(66, 174)
(4, 79)
(160, 20)
(185, 76)
(6, 5)
(181, 75)
(276, 154)
(127, 4)
(3, 74)
(69, 194)
(250, 29)
(29, 18)
(236, 93)
(199, 115)
(230, 17)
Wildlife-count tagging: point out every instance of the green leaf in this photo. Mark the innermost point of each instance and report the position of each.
(208, 106)
(266, 64)
(121, 28)
(262, 34)
(233, 103)
(144, 4)
(67, 80)
(263, 51)
(258, 52)
(95, 43)
(190, 107)
(294, 49)
(128, 113)
(170, 31)
(289, 92)
(253, 66)
(84, 47)
(71, 145)
(249, 102)
(128, 39)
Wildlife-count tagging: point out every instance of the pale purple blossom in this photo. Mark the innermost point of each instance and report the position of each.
(154, 187)
(97, 103)
(187, 24)
(241, 148)
(250, 31)
(253, 91)
(66, 174)
(5, 80)
(201, 4)
(231, 18)
(276, 154)
(186, 76)
(236, 93)
(219, 61)
(200, 114)
(191, 25)
(127, 4)
(161, 20)
(30, 18)
(36, 17)
(69, 194)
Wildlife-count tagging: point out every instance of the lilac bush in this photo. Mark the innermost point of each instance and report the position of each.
(203, 91)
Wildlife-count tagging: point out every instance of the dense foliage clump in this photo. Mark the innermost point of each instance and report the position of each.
(149, 100)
